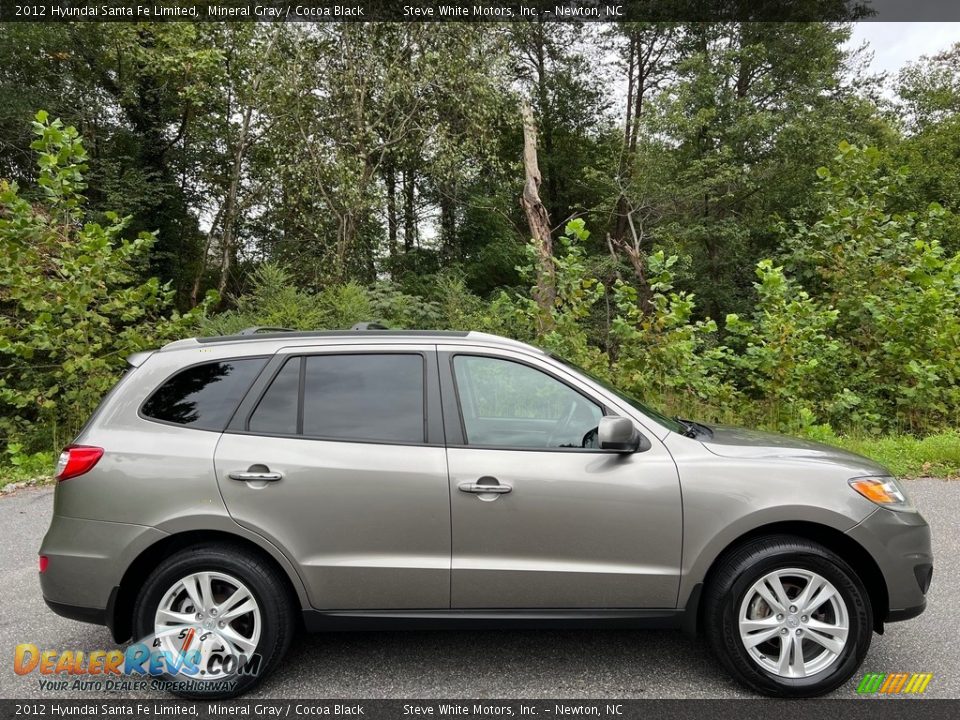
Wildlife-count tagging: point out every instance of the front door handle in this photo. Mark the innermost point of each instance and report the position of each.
(485, 485)
(248, 476)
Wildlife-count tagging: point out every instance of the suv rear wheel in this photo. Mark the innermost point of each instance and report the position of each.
(221, 616)
(788, 617)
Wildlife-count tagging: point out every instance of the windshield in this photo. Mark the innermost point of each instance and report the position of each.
(655, 415)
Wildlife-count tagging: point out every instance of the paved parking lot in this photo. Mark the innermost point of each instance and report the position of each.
(506, 664)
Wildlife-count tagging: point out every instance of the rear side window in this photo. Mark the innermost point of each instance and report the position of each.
(366, 398)
(203, 396)
(276, 413)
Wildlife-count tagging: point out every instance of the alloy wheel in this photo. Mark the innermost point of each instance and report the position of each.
(793, 623)
(213, 613)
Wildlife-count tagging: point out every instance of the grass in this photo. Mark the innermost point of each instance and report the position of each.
(905, 456)
(37, 467)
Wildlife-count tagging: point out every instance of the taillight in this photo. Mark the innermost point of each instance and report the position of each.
(44, 561)
(76, 460)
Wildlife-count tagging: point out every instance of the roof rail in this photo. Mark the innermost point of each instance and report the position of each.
(263, 329)
(294, 334)
(369, 326)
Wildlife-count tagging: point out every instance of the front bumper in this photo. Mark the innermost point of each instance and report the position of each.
(900, 544)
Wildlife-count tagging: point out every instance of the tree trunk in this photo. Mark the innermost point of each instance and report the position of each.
(448, 227)
(538, 219)
(390, 179)
(236, 171)
(409, 216)
(202, 269)
(230, 207)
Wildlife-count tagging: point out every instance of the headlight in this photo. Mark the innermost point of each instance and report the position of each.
(884, 491)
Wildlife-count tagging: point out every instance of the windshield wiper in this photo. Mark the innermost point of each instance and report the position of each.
(689, 429)
(694, 429)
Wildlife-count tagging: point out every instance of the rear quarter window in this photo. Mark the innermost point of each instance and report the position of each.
(204, 396)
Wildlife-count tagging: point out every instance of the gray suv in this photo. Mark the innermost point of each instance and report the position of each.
(233, 491)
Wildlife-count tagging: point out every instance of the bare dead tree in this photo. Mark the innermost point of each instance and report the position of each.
(538, 219)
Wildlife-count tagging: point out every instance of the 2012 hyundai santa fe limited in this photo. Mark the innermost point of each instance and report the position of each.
(232, 491)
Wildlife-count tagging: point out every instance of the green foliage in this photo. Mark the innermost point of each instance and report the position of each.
(664, 353)
(71, 306)
(935, 455)
(275, 301)
(875, 344)
(785, 354)
(358, 173)
(661, 351)
(18, 465)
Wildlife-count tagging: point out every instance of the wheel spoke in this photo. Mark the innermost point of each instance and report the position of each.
(825, 593)
(747, 626)
(169, 630)
(832, 644)
(248, 605)
(176, 620)
(786, 650)
(838, 631)
(769, 595)
(813, 585)
(779, 593)
(756, 638)
(799, 665)
(236, 640)
(239, 603)
(206, 592)
(193, 590)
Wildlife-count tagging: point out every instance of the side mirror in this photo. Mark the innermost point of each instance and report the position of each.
(618, 434)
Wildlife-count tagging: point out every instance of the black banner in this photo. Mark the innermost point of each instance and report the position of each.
(474, 11)
(873, 709)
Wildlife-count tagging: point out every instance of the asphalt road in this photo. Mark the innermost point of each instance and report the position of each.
(489, 664)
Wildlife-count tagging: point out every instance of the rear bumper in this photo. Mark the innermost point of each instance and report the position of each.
(97, 616)
(900, 544)
(86, 562)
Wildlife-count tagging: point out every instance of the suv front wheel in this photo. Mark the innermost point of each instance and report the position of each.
(219, 618)
(788, 617)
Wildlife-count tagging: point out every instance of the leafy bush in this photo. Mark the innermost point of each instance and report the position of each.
(71, 306)
(663, 353)
(784, 358)
(874, 343)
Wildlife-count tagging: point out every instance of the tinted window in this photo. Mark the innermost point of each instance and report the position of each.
(203, 396)
(364, 397)
(508, 404)
(276, 412)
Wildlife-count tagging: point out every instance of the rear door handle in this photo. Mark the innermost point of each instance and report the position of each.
(480, 487)
(256, 476)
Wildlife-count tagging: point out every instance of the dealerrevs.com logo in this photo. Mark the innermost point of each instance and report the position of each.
(894, 683)
(198, 661)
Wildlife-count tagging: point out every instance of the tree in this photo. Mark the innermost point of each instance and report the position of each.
(71, 305)
(537, 217)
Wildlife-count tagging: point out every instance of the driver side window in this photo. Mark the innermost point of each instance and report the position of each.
(508, 404)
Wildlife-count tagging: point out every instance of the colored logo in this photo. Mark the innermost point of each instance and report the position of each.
(183, 659)
(894, 683)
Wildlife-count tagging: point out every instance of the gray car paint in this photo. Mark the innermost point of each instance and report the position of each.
(690, 499)
(580, 529)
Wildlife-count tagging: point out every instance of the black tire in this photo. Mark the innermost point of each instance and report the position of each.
(747, 564)
(265, 583)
